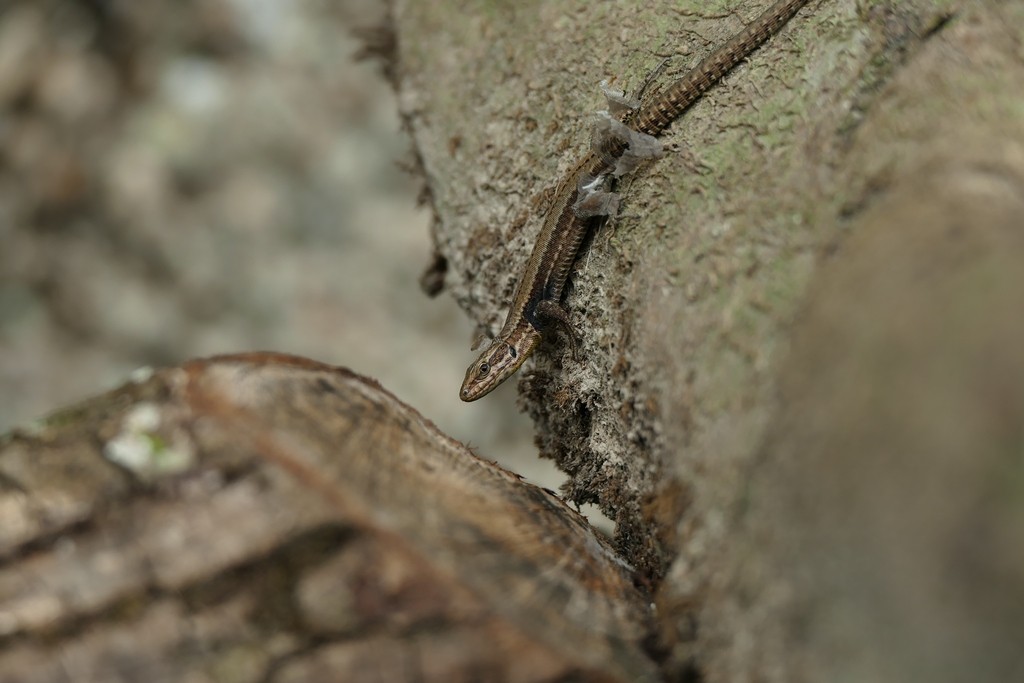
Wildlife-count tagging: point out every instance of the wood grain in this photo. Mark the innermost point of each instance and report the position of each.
(264, 517)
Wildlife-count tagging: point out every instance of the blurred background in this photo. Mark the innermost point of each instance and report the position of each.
(180, 178)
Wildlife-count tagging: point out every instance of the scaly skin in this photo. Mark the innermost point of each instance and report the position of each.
(536, 305)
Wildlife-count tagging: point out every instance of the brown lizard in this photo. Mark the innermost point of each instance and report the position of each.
(536, 305)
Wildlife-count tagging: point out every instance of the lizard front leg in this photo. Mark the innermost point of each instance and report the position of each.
(552, 315)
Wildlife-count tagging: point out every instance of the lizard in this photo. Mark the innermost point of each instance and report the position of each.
(536, 307)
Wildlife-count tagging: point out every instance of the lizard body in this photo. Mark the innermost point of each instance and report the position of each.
(536, 304)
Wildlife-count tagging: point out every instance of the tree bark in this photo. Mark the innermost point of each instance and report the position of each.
(267, 518)
(801, 399)
(717, 310)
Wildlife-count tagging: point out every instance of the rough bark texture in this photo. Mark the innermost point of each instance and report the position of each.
(180, 178)
(683, 303)
(801, 399)
(267, 518)
(755, 304)
(880, 539)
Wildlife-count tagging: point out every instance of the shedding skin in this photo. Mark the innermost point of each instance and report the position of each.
(580, 199)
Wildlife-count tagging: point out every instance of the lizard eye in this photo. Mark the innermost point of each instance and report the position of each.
(484, 369)
(512, 352)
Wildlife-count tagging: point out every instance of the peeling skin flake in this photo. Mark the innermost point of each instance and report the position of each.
(592, 200)
(618, 101)
(639, 146)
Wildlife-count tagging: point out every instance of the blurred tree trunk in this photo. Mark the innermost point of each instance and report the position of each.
(801, 396)
(801, 399)
(268, 518)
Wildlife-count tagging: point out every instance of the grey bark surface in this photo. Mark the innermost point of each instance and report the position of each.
(709, 310)
(801, 398)
(684, 301)
(268, 518)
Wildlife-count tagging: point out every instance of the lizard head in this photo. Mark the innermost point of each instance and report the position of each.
(498, 362)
